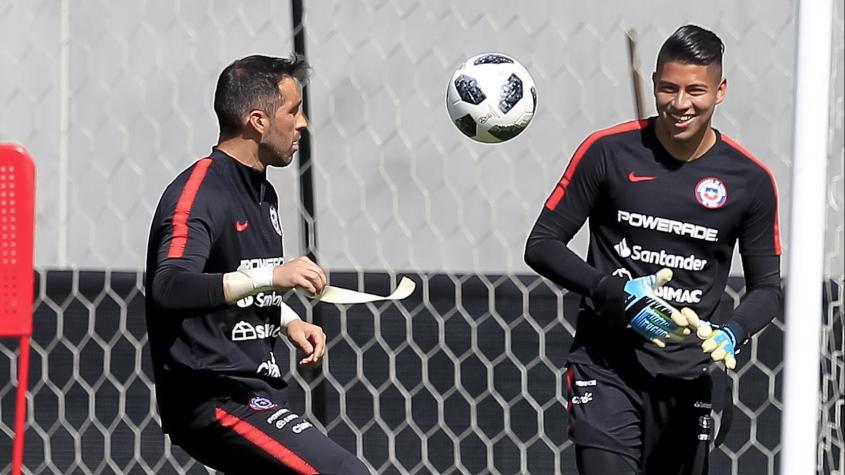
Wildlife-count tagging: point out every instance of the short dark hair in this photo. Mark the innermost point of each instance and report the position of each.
(253, 83)
(691, 44)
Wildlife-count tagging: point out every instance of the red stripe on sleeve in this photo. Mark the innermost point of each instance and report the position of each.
(570, 383)
(265, 442)
(754, 159)
(183, 208)
(560, 189)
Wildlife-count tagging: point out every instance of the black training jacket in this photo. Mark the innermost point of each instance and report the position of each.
(646, 211)
(215, 217)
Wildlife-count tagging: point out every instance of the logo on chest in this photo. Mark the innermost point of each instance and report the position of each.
(260, 403)
(274, 218)
(711, 192)
(634, 178)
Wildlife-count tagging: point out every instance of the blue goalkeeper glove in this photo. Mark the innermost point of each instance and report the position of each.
(651, 316)
(720, 342)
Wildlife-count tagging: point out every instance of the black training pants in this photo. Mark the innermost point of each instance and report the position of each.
(262, 437)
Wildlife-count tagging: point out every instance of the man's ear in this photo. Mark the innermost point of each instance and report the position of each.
(722, 91)
(257, 120)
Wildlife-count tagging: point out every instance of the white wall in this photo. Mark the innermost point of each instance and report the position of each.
(397, 186)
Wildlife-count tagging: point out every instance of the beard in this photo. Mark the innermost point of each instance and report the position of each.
(273, 155)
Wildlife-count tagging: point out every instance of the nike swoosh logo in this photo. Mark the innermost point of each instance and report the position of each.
(636, 178)
(241, 227)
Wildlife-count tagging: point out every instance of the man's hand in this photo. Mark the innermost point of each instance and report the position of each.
(720, 342)
(309, 339)
(651, 316)
(301, 272)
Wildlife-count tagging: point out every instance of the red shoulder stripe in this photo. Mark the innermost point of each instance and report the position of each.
(265, 442)
(560, 189)
(183, 208)
(762, 165)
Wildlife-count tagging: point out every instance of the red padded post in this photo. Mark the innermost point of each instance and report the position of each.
(17, 227)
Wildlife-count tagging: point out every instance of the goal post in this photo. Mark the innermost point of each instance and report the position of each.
(806, 260)
(17, 217)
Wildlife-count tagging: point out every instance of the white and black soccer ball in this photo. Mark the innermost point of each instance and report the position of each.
(491, 98)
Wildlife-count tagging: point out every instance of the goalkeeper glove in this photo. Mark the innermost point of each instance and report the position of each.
(634, 303)
(720, 342)
(651, 316)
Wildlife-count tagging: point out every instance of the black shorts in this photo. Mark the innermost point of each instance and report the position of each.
(659, 425)
(261, 436)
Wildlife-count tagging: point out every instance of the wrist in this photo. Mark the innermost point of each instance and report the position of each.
(608, 296)
(288, 315)
(736, 332)
(260, 277)
(245, 282)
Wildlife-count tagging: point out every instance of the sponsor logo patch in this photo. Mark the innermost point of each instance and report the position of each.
(281, 418)
(711, 192)
(586, 398)
(276, 415)
(269, 368)
(665, 225)
(661, 257)
(260, 262)
(261, 299)
(261, 403)
(298, 428)
(281, 423)
(244, 331)
(677, 295)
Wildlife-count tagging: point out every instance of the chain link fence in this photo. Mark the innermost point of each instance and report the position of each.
(114, 99)
(462, 377)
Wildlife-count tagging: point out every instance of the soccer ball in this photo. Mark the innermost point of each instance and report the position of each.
(491, 98)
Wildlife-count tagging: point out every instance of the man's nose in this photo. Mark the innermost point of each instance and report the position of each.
(680, 101)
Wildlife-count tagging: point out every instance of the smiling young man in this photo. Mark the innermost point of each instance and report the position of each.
(214, 284)
(667, 199)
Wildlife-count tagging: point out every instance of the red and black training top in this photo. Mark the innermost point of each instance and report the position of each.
(648, 210)
(215, 217)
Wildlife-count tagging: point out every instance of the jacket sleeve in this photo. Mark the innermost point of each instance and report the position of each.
(760, 249)
(547, 249)
(186, 219)
(763, 296)
(759, 233)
